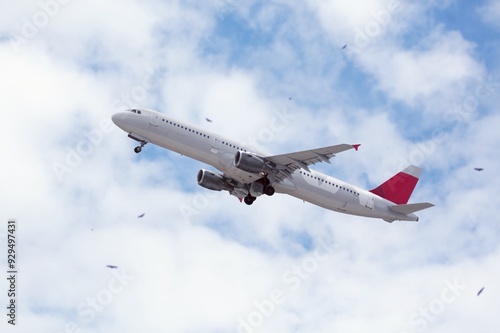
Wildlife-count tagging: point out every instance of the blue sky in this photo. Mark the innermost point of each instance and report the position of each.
(418, 83)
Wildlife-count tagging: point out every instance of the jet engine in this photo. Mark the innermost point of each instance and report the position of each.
(213, 181)
(249, 162)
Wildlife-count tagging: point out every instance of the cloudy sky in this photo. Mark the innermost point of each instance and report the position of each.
(417, 83)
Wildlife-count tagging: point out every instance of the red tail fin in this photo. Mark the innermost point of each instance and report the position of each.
(398, 189)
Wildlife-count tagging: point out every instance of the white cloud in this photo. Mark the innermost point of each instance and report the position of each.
(439, 66)
(204, 271)
(490, 13)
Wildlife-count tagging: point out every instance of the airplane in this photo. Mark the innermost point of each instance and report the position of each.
(247, 173)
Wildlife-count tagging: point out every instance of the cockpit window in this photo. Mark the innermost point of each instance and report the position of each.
(133, 110)
(139, 111)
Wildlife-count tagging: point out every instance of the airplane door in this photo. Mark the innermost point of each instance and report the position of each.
(154, 120)
(215, 145)
(370, 202)
(366, 199)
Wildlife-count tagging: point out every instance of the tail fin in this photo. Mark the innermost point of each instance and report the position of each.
(399, 187)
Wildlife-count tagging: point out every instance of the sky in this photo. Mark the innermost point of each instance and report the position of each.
(416, 83)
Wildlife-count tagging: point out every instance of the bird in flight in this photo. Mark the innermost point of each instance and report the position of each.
(141, 216)
(343, 47)
(480, 291)
(112, 266)
(208, 119)
(478, 169)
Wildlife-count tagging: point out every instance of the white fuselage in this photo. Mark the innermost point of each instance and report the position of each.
(219, 152)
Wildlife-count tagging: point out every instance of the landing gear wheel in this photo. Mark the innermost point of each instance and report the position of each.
(138, 149)
(269, 190)
(249, 199)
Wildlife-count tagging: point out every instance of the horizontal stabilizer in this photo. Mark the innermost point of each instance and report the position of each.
(410, 208)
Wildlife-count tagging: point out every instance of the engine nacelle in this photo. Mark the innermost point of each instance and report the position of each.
(212, 181)
(249, 162)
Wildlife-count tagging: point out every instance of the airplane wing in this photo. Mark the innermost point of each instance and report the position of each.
(276, 167)
(286, 164)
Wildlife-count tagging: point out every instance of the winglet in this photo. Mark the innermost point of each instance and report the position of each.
(356, 146)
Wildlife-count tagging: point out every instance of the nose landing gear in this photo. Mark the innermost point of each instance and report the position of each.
(142, 141)
(138, 149)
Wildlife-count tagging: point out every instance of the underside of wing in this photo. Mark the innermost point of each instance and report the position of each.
(286, 164)
(252, 175)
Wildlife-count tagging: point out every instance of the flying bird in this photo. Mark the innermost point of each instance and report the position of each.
(141, 216)
(478, 169)
(112, 266)
(343, 47)
(208, 119)
(480, 291)
(289, 98)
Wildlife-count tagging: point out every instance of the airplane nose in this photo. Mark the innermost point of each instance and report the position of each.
(119, 119)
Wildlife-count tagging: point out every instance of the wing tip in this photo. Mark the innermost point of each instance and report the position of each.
(356, 146)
